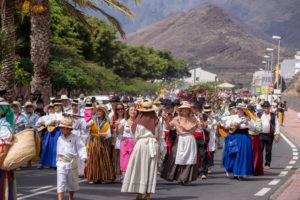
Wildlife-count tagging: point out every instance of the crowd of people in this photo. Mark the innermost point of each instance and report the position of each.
(134, 140)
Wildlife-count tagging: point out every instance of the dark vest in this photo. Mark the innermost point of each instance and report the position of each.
(272, 123)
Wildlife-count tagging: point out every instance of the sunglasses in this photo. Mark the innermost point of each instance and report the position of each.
(120, 109)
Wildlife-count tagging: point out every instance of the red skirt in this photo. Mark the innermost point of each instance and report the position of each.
(257, 156)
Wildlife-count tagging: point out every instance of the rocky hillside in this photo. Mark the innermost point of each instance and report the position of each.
(281, 17)
(294, 87)
(208, 37)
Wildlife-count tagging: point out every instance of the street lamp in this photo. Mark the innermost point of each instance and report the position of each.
(276, 37)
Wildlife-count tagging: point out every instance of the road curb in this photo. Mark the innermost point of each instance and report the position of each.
(283, 187)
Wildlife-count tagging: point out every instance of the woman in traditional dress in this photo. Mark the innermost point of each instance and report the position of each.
(140, 176)
(128, 141)
(119, 115)
(182, 162)
(257, 154)
(238, 156)
(7, 178)
(49, 143)
(99, 165)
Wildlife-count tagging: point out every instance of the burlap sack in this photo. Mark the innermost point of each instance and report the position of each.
(22, 150)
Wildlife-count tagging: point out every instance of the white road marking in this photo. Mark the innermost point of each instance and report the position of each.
(294, 149)
(283, 173)
(288, 141)
(262, 192)
(288, 167)
(19, 194)
(41, 188)
(42, 192)
(295, 154)
(292, 162)
(274, 182)
(295, 157)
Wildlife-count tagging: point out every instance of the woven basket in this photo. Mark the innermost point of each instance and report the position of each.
(22, 150)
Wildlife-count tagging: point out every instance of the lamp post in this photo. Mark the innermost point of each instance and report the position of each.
(276, 37)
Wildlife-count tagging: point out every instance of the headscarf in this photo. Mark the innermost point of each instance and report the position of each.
(6, 111)
(147, 119)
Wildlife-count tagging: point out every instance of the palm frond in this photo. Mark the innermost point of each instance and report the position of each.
(87, 4)
(119, 6)
(73, 11)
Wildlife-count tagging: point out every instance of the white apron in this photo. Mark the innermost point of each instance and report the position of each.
(186, 150)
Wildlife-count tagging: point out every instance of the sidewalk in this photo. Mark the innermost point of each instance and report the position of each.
(292, 129)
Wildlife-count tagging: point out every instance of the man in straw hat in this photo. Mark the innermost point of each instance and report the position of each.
(70, 148)
(65, 103)
(30, 115)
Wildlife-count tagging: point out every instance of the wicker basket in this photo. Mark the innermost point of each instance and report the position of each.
(22, 150)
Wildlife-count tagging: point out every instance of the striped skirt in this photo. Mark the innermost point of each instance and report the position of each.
(99, 165)
(7, 185)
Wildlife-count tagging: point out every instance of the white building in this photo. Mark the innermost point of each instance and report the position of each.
(289, 67)
(261, 81)
(199, 75)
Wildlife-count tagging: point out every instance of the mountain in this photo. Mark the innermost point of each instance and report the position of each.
(294, 87)
(272, 17)
(210, 38)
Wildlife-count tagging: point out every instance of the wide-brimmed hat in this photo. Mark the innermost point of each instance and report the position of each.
(241, 105)
(74, 102)
(64, 97)
(207, 108)
(16, 104)
(147, 106)
(101, 107)
(57, 102)
(28, 104)
(185, 104)
(66, 123)
(157, 102)
(266, 104)
(3, 102)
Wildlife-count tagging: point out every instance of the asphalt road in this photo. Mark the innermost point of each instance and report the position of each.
(34, 184)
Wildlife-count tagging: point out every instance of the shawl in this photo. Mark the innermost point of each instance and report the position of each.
(147, 119)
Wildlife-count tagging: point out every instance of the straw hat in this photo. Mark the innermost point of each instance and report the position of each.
(28, 104)
(57, 102)
(66, 123)
(102, 107)
(157, 102)
(147, 107)
(207, 108)
(64, 97)
(185, 104)
(16, 103)
(3, 102)
(241, 105)
(74, 102)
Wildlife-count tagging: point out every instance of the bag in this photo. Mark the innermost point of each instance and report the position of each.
(233, 147)
(22, 150)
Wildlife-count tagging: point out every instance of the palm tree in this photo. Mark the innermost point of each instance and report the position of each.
(40, 33)
(7, 71)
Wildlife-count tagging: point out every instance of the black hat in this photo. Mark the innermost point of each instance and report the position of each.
(37, 92)
(3, 92)
(197, 105)
(40, 101)
(169, 104)
(251, 108)
(232, 105)
(266, 104)
(176, 102)
(115, 99)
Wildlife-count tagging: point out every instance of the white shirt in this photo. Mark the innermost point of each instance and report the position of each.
(127, 129)
(265, 119)
(71, 147)
(235, 118)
